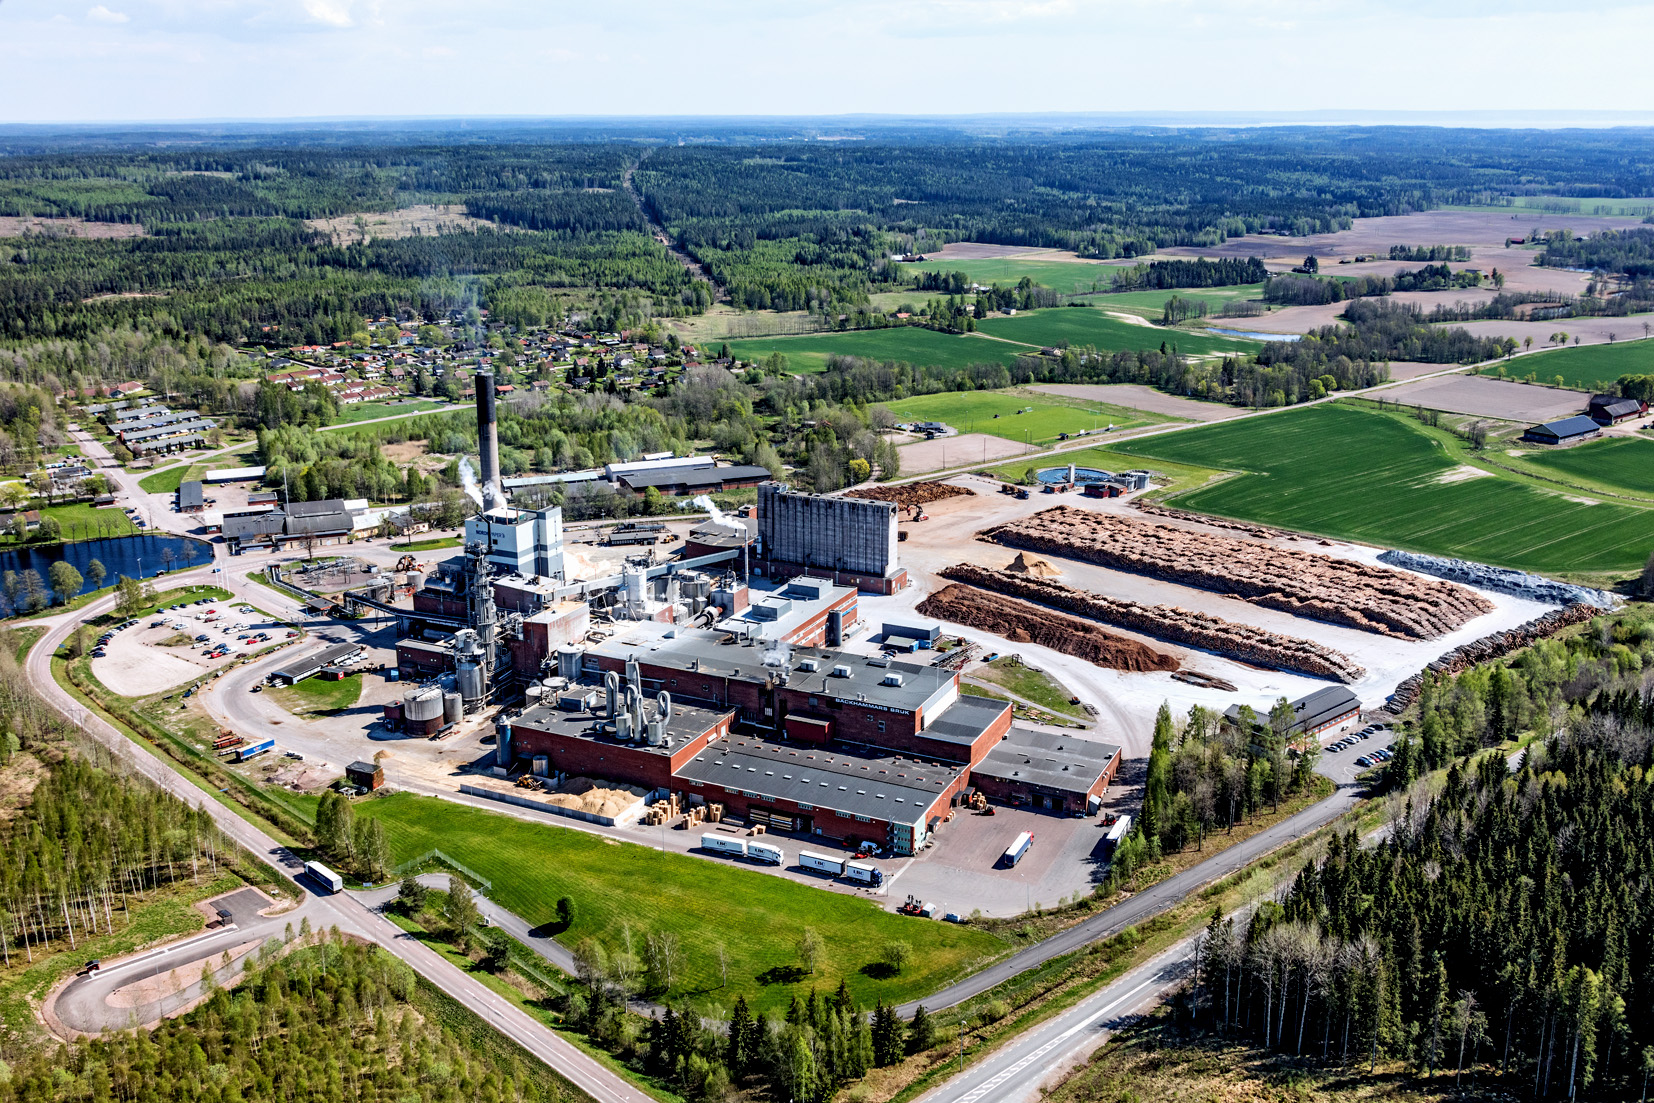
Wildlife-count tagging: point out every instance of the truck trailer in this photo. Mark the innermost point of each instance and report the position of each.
(821, 863)
(253, 750)
(325, 877)
(863, 874)
(1018, 849)
(718, 844)
(767, 854)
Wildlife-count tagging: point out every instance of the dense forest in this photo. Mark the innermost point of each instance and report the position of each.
(1501, 926)
(1626, 252)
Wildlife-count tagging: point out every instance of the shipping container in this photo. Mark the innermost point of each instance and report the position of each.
(764, 852)
(718, 844)
(254, 749)
(324, 876)
(863, 874)
(821, 863)
(1018, 848)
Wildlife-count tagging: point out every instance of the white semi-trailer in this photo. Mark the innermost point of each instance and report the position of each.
(821, 863)
(718, 844)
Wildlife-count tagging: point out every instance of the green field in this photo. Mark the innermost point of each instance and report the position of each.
(1170, 477)
(169, 479)
(1088, 326)
(1150, 303)
(1343, 471)
(1623, 464)
(757, 918)
(909, 343)
(974, 411)
(1066, 276)
(1587, 367)
(319, 696)
(369, 411)
(83, 521)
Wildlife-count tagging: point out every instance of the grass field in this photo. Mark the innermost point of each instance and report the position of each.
(1011, 674)
(1169, 477)
(1150, 303)
(83, 521)
(1588, 367)
(429, 545)
(1067, 276)
(1343, 471)
(1623, 464)
(757, 918)
(167, 481)
(974, 411)
(368, 411)
(909, 343)
(1088, 326)
(319, 697)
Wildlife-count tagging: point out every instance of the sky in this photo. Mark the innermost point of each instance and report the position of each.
(153, 60)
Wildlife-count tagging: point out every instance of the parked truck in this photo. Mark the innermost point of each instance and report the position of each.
(253, 750)
(863, 874)
(325, 877)
(718, 844)
(821, 863)
(1120, 829)
(767, 854)
(1018, 848)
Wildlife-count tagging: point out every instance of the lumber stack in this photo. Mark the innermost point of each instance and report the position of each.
(1490, 647)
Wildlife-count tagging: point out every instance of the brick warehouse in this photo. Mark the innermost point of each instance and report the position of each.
(811, 741)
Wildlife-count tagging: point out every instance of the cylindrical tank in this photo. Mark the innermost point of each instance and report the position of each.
(540, 765)
(502, 744)
(635, 577)
(416, 580)
(534, 694)
(453, 708)
(469, 678)
(623, 727)
(423, 704)
(568, 662)
(425, 727)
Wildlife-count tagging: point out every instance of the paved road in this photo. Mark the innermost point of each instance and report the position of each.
(1149, 902)
(340, 911)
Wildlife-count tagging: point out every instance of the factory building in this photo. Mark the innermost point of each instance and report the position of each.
(520, 541)
(851, 539)
(577, 739)
(806, 612)
(1048, 770)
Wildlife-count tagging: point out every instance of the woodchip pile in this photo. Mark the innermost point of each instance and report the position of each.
(911, 494)
(1339, 591)
(1495, 646)
(1021, 622)
(1242, 642)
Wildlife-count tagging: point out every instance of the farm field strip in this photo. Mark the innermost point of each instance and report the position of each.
(1586, 367)
(912, 344)
(1067, 276)
(1623, 465)
(1357, 474)
(1088, 325)
(998, 413)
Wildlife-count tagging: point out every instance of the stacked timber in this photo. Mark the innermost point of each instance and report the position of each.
(1321, 587)
(1021, 622)
(1488, 648)
(1241, 642)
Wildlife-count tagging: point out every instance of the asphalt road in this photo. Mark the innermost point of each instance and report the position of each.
(340, 911)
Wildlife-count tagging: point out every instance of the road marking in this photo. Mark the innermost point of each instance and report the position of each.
(989, 1085)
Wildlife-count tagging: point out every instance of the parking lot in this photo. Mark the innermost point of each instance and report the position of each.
(139, 660)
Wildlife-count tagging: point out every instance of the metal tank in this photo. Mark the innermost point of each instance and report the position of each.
(453, 708)
(569, 660)
(502, 744)
(423, 704)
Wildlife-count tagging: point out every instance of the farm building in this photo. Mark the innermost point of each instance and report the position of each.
(1607, 409)
(1567, 431)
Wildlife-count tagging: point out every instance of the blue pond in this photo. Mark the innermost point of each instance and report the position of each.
(133, 556)
(1083, 476)
(1258, 336)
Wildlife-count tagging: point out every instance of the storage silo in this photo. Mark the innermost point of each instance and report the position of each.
(422, 710)
(502, 744)
(569, 661)
(453, 708)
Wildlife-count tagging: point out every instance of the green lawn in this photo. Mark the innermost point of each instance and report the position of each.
(1011, 674)
(1344, 471)
(317, 696)
(1089, 326)
(975, 411)
(429, 545)
(1151, 303)
(368, 411)
(756, 917)
(1174, 477)
(83, 521)
(1066, 276)
(168, 480)
(1588, 367)
(1624, 464)
(908, 343)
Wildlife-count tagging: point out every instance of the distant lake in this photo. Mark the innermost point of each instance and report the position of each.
(132, 556)
(1256, 336)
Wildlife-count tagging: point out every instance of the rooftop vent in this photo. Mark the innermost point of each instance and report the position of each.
(841, 671)
(892, 679)
(810, 665)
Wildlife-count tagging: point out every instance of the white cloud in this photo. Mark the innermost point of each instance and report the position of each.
(334, 13)
(101, 14)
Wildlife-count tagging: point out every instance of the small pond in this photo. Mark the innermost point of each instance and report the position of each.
(134, 556)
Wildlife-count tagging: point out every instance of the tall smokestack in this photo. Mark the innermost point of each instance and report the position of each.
(488, 442)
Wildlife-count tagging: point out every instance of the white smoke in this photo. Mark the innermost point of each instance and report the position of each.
(468, 480)
(718, 515)
(778, 655)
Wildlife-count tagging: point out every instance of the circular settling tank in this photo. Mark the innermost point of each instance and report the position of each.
(1083, 476)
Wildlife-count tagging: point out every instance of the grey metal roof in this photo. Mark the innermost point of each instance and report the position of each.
(190, 496)
(965, 720)
(1310, 711)
(254, 524)
(306, 665)
(1575, 426)
(693, 476)
(309, 509)
(687, 723)
(896, 789)
(164, 443)
(1050, 759)
(316, 524)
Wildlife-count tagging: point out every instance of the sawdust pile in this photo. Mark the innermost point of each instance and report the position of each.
(1171, 623)
(912, 494)
(1034, 568)
(1339, 591)
(1020, 622)
(582, 794)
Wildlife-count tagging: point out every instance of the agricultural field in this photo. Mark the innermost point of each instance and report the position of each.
(1384, 479)
(1067, 276)
(1089, 326)
(1622, 465)
(703, 903)
(909, 343)
(1150, 304)
(1000, 414)
(1586, 367)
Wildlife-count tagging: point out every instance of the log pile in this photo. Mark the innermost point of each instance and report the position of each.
(1488, 648)
(1242, 642)
(1339, 591)
(1021, 622)
(911, 494)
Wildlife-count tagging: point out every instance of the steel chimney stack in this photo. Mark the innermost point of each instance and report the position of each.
(488, 441)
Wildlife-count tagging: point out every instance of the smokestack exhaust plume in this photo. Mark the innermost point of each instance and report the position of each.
(488, 442)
